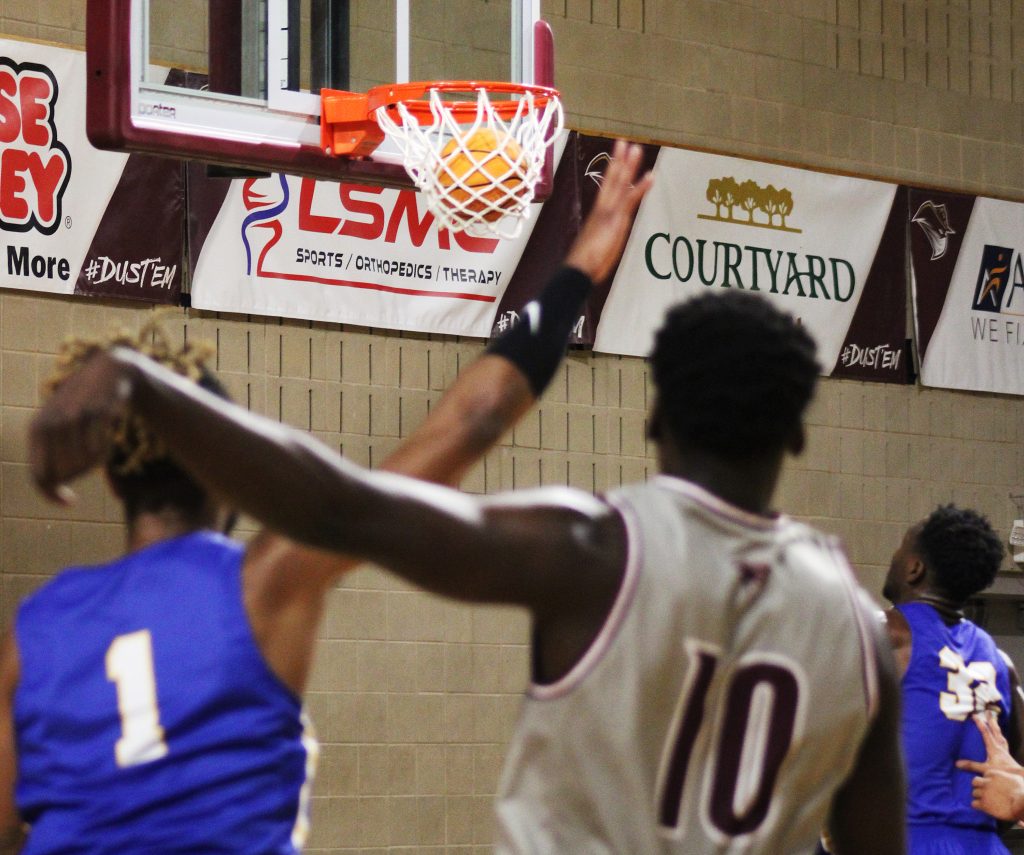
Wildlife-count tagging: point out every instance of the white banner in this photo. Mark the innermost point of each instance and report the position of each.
(53, 185)
(978, 340)
(60, 230)
(806, 240)
(350, 253)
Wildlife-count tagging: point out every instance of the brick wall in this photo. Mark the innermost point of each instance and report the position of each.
(415, 697)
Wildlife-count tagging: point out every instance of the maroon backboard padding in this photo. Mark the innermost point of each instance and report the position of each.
(544, 75)
(109, 125)
(543, 54)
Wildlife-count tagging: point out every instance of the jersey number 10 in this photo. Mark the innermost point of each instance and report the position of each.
(130, 669)
(757, 719)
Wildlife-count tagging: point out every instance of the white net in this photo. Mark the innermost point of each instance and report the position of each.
(478, 176)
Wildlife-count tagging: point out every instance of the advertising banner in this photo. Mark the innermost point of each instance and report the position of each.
(829, 249)
(347, 253)
(968, 286)
(74, 219)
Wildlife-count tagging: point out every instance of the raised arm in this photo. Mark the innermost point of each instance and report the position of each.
(493, 393)
(72, 432)
(275, 474)
(299, 488)
(285, 583)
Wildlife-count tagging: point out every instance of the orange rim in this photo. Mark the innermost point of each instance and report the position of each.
(411, 95)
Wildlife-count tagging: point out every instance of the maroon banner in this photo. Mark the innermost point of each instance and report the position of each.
(876, 345)
(937, 227)
(138, 250)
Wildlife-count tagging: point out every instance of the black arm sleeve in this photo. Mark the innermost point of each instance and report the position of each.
(537, 343)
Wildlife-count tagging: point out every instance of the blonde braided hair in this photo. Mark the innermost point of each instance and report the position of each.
(134, 445)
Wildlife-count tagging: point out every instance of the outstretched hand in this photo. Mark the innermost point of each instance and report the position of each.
(603, 236)
(997, 750)
(73, 430)
(999, 789)
(999, 794)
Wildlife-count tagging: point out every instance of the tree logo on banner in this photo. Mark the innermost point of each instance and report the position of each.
(742, 203)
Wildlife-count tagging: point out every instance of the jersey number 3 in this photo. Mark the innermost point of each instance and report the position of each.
(130, 669)
(971, 686)
(759, 703)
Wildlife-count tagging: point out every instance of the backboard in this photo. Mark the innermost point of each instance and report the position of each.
(245, 92)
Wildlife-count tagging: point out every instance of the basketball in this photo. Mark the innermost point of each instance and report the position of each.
(484, 159)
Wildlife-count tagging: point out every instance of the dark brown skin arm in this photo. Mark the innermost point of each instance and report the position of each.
(485, 401)
(438, 538)
(868, 813)
(286, 583)
(12, 833)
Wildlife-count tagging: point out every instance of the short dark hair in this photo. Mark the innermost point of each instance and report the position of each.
(733, 373)
(154, 483)
(961, 551)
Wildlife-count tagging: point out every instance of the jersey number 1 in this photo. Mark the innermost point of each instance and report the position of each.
(130, 669)
(757, 722)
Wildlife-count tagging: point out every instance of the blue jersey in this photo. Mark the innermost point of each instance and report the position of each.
(954, 671)
(147, 719)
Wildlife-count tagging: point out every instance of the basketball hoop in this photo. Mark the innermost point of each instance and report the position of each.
(477, 161)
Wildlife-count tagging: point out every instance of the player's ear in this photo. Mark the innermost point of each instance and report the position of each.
(915, 570)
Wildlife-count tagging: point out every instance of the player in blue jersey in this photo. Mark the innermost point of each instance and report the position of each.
(951, 671)
(152, 704)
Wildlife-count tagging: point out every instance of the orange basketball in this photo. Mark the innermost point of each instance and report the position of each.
(483, 159)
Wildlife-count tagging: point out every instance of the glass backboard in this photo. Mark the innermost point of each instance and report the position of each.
(237, 82)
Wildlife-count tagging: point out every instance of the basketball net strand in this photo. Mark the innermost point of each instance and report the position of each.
(491, 193)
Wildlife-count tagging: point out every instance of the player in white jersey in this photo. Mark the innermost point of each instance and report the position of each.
(709, 714)
(705, 677)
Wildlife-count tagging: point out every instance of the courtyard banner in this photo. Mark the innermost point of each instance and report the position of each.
(74, 219)
(828, 249)
(968, 287)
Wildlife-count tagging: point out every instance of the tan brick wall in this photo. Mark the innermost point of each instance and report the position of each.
(415, 697)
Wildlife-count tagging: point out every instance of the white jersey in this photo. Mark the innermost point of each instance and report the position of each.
(720, 706)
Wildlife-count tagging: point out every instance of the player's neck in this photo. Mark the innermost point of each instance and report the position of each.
(152, 527)
(749, 486)
(949, 610)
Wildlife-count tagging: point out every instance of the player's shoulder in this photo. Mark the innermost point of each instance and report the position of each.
(549, 499)
(73, 585)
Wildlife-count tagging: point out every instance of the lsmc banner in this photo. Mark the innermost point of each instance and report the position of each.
(349, 253)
